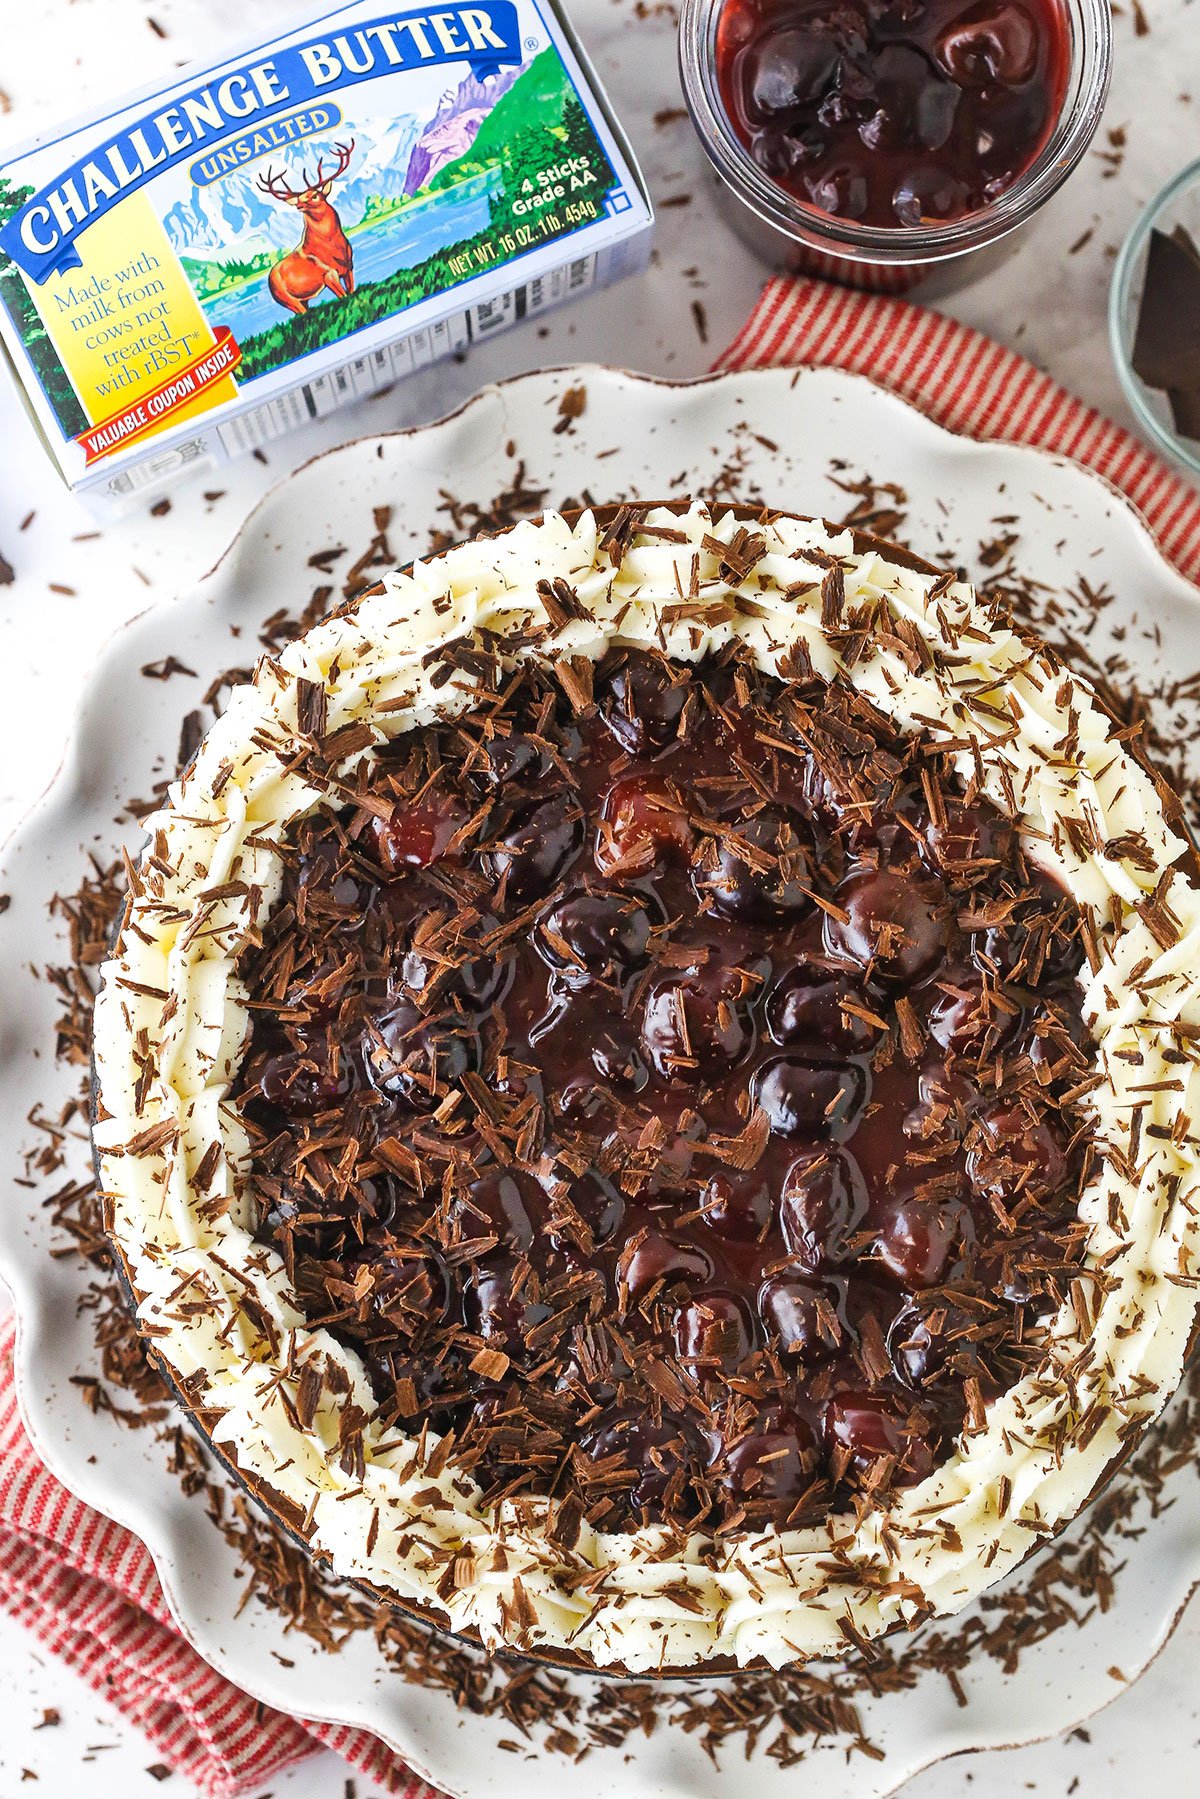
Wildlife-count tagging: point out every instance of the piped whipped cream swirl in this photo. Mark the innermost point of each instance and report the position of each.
(171, 1027)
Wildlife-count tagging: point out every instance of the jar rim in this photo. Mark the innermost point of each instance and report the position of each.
(1090, 26)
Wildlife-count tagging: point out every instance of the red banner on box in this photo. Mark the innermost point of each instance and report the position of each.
(146, 414)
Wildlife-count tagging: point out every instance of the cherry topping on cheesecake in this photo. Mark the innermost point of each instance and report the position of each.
(666, 1101)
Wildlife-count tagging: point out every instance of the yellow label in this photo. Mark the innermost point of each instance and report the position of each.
(128, 319)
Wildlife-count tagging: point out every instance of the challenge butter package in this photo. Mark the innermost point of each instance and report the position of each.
(195, 270)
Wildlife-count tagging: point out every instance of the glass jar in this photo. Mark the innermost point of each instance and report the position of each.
(792, 236)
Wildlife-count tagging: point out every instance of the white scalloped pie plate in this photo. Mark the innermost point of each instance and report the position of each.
(785, 434)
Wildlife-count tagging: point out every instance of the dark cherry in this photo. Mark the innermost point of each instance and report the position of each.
(924, 194)
(761, 871)
(804, 1315)
(894, 15)
(599, 1205)
(1011, 1156)
(714, 1330)
(323, 884)
(1057, 1040)
(369, 1209)
(377, 1203)
(784, 156)
(808, 1099)
(515, 759)
(534, 852)
(581, 1098)
(417, 1388)
(641, 825)
(839, 188)
(502, 1203)
(412, 1057)
(915, 107)
(698, 1021)
(1015, 117)
(874, 818)
(348, 893)
(598, 934)
(1027, 1269)
(652, 1260)
(641, 703)
(947, 1100)
(822, 1207)
(303, 1082)
(994, 41)
(869, 1426)
(968, 841)
(767, 1472)
(432, 972)
(335, 1218)
(618, 1062)
(922, 1343)
(410, 1292)
(646, 1451)
(737, 1203)
(808, 1007)
(513, 1080)
(918, 1241)
(787, 72)
(416, 836)
(1030, 952)
(968, 1015)
(498, 1305)
(894, 924)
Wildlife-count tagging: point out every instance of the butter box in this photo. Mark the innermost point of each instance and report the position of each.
(194, 270)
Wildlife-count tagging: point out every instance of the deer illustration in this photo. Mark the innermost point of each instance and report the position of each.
(323, 257)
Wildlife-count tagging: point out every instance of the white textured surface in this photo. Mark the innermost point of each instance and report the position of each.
(67, 53)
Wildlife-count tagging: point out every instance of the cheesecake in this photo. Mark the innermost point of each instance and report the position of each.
(643, 1091)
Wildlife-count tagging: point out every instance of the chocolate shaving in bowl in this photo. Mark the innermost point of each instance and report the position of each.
(784, 1715)
(1166, 346)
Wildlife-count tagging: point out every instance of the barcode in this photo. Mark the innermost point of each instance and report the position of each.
(548, 290)
(493, 315)
(162, 467)
(352, 380)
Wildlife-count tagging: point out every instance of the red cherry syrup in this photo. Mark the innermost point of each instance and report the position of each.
(893, 112)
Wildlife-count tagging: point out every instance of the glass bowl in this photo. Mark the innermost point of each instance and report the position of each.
(1177, 204)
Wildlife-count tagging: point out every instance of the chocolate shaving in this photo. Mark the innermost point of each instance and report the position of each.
(312, 703)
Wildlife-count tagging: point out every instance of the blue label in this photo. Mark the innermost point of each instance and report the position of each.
(40, 236)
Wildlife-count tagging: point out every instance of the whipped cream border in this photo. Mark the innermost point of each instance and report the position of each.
(171, 1025)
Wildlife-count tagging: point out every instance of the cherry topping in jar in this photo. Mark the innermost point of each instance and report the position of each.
(893, 113)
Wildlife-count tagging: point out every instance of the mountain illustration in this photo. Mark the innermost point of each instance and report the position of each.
(234, 217)
(455, 125)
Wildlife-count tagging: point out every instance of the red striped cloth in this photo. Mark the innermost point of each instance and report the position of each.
(967, 383)
(86, 1588)
(88, 1591)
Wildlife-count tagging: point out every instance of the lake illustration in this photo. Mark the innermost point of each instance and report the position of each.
(401, 239)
